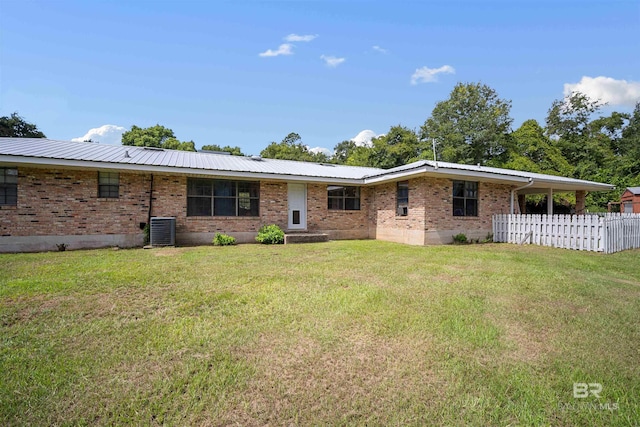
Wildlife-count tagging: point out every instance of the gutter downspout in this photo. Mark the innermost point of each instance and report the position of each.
(513, 192)
(150, 201)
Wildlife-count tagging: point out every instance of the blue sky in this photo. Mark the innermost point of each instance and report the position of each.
(196, 66)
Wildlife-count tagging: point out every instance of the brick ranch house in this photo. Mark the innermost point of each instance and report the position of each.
(88, 195)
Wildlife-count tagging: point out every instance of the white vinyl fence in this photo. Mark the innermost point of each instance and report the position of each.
(607, 233)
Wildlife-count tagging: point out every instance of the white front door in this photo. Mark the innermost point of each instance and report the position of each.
(297, 197)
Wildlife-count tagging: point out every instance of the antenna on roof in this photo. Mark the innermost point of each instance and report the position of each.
(435, 158)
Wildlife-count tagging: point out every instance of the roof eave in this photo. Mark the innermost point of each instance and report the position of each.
(447, 173)
(132, 167)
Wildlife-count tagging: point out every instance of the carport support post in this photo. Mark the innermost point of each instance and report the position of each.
(580, 201)
(550, 202)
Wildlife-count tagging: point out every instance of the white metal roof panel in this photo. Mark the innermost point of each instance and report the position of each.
(117, 154)
(56, 152)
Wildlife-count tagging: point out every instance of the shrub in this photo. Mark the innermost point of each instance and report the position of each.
(220, 239)
(460, 238)
(270, 235)
(146, 231)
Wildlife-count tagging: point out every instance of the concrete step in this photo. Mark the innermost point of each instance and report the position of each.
(305, 238)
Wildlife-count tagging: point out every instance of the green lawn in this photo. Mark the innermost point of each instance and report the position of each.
(340, 333)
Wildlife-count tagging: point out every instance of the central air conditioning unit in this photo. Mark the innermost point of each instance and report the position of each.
(163, 231)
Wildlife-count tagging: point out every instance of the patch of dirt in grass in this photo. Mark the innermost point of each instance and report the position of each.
(525, 342)
(169, 251)
(530, 345)
(31, 307)
(354, 380)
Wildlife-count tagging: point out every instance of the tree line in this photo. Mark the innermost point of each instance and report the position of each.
(472, 126)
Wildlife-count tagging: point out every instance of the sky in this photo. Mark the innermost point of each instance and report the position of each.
(246, 73)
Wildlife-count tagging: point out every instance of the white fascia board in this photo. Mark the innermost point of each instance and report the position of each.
(447, 173)
(541, 187)
(84, 164)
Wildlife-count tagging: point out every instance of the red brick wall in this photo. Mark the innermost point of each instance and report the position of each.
(65, 202)
(430, 216)
(321, 218)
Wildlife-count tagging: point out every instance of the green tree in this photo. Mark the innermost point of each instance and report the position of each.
(531, 150)
(397, 147)
(292, 148)
(342, 151)
(236, 151)
(628, 146)
(17, 127)
(155, 136)
(471, 127)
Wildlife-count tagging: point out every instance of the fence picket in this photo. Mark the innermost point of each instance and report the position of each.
(606, 233)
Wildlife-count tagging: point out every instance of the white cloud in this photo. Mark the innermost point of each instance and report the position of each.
(320, 150)
(363, 139)
(379, 49)
(332, 61)
(430, 75)
(105, 134)
(606, 89)
(283, 49)
(297, 38)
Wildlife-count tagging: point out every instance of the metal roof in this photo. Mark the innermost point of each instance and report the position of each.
(188, 161)
(84, 154)
(634, 190)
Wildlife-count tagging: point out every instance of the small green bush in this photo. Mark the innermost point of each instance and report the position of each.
(147, 233)
(220, 239)
(270, 235)
(460, 238)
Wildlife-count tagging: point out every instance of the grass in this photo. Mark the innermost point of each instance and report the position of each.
(341, 333)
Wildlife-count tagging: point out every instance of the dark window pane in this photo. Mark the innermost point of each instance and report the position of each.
(336, 203)
(335, 191)
(224, 189)
(8, 176)
(199, 187)
(471, 207)
(458, 206)
(251, 188)
(8, 195)
(352, 192)
(224, 206)
(471, 190)
(108, 178)
(108, 191)
(199, 206)
(247, 206)
(250, 207)
(352, 204)
(458, 188)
